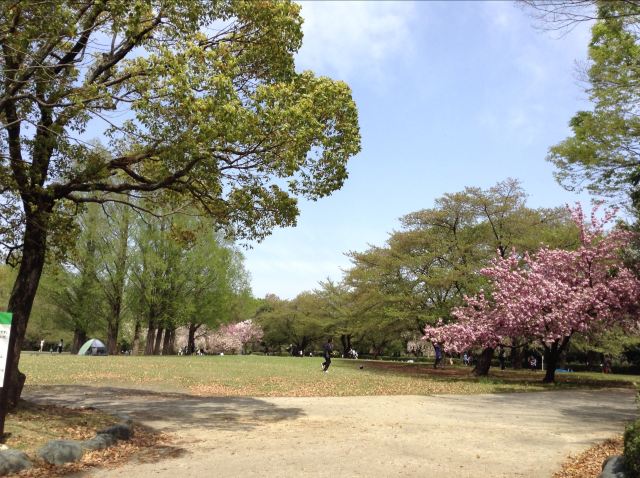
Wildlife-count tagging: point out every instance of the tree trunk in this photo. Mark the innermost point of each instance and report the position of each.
(191, 340)
(156, 347)
(112, 330)
(79, 338)
(21, 299)
(117, 293)
(484, 363)
(166, 342)
(551, 355)
(551, 358)
(172, 341)
(516, 354)
(151, 333)
(135, 346)
(345, 339)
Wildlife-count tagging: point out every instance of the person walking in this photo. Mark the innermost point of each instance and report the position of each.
(60, 346)
(327, 349)
(501, 357)
(41, 345)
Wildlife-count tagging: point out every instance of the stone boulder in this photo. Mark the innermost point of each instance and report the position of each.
(99, 442)
(13, 461)
(613, 467)
(58, 452)
(122, 431)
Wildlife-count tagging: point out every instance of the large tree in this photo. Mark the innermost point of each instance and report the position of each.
(428, 266)
(193, 101)
(603, 152)
(550, 295)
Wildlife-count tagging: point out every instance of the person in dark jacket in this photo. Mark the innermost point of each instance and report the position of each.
(327, 349)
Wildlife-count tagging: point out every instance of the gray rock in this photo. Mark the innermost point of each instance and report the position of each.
(57, 452)
(121, 431)
(98, 442)
(613, 467)
(13, 461)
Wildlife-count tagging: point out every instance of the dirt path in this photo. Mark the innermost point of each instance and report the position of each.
(511, 435)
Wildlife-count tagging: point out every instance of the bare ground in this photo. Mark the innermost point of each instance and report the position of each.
(500, 435)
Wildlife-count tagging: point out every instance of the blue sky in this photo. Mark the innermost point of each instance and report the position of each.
(450, 95)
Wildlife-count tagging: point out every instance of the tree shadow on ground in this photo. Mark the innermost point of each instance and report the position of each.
(609, 408)
(464, 374)
(168, 411)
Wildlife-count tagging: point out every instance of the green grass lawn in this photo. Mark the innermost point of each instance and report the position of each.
(287, 376)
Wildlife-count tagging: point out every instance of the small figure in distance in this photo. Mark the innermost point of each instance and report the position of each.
(60, 346)
(438, 353)
(327, 349)
(42, 345)
(607, 365)
(501, 357)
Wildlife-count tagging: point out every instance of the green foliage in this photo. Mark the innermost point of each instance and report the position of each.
(183, 273)
(77, 292)
(632, 449)
(203, 103)
(298, 323)
(198, 107)
(603, 151)
(613, 342)
(426, 268)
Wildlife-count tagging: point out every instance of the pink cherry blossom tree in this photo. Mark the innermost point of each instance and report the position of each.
(548, 296)
(235, 337)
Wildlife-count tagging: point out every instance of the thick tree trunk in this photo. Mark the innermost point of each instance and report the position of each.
(135, 346)
(166, 342)
(156, 347)
(116, 295)
(113, 326)
(21, 299)
(79, 338)
(516, 354)
(484, 363)
(172, 341)
(345, 339)
(551, 358)
(151, 333)
(191, 340)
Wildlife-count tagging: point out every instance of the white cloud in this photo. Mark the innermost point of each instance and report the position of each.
(343, 39)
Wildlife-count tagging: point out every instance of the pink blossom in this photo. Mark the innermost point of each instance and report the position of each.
(551, 294)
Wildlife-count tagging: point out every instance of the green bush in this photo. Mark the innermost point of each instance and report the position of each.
(632, 449)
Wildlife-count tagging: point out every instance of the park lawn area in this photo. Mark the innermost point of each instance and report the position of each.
(264, 376)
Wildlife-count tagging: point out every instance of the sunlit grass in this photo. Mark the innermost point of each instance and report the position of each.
(285, 376)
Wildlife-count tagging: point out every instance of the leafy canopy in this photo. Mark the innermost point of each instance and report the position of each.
(196, 99)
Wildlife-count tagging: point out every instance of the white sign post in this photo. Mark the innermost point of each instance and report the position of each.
(5, 330)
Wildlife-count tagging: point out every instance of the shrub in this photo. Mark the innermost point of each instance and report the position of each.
(632, 449)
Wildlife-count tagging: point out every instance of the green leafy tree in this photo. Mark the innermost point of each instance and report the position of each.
(115, 245)
(603, 152)
(77, 293)
(428, 266)
(196, 102)
(217, 289)
(295, 324)
(158, 281)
